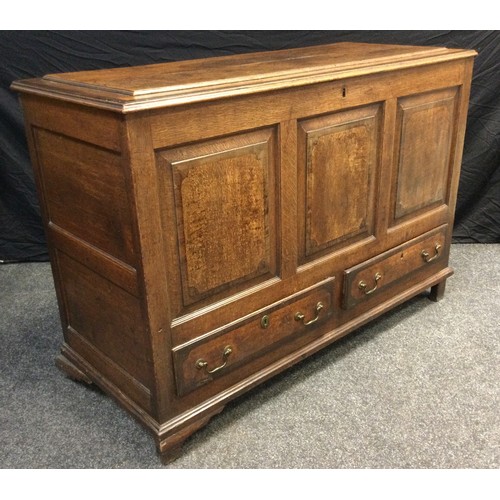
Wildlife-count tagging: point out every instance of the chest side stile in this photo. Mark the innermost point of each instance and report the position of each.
(172, 422)
(29, 107)
(139, 162)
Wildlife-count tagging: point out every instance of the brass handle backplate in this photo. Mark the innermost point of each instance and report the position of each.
(201, 364)
(425, 253)
(362, 285)
(300, 316)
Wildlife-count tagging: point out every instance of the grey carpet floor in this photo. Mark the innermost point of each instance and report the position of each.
(417, 388)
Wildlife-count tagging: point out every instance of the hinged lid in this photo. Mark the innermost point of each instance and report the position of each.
(173, 83)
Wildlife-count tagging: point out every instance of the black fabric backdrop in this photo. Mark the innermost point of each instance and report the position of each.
(25, 54)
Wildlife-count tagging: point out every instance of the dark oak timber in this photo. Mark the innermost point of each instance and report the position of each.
(212, 222)
(437, 291)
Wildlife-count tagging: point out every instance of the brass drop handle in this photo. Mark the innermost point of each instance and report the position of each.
(362, 285)
(425, 253)
(201, 364)
(300, 316)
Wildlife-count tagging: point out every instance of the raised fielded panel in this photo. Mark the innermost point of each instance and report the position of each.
(423, 155)
(251, 336)
(367, 280)
(221, 195)
(86, 193)
(338, 164)
(106, 317)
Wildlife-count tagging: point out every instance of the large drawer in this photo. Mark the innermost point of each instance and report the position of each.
(370, 278)
(222, 350)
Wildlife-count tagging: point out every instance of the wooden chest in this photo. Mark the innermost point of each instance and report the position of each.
(213, 222)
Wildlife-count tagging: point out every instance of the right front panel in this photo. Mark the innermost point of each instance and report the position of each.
(423, 154)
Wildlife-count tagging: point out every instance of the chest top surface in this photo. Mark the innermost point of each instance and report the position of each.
(172, 83)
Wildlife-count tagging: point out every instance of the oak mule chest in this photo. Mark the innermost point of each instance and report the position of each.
(212, 222)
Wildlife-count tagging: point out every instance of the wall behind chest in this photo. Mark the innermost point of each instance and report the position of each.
(34, 53)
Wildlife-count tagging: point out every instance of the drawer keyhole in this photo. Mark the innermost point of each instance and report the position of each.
(264, 322)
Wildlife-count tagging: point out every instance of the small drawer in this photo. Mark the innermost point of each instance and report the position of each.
(369, 278)
(222, 350)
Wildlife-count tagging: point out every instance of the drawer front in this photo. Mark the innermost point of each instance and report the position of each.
(226, 348)
(369, 278)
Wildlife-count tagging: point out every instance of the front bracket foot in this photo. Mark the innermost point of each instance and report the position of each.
(170, 447)
(72, 371)
(437, 291)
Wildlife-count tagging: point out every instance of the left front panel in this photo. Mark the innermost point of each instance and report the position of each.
(84, 195)
(219, 209)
